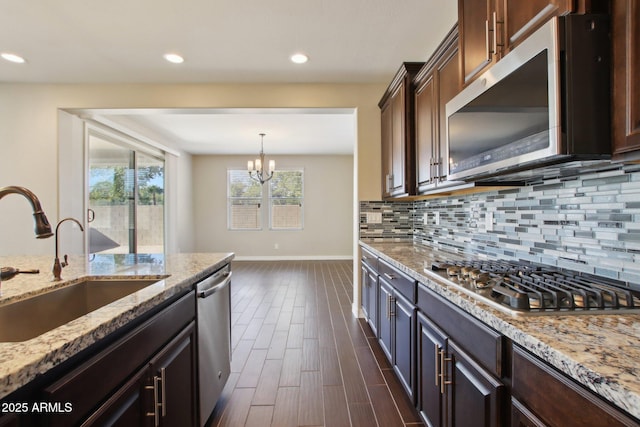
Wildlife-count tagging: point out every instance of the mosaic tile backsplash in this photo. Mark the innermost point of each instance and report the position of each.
(589, 223)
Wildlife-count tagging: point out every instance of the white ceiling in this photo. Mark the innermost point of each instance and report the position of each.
(223, 41)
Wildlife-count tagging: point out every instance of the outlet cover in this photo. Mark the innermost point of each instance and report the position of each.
(488, 218)
(425, 218)
(374, 217)
(436, 217)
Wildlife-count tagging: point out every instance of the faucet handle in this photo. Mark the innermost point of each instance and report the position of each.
(66, 261)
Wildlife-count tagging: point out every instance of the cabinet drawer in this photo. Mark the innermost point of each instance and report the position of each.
(369, 259)
(485, 344)
(400, 281)
(93, 381)
(555, 399)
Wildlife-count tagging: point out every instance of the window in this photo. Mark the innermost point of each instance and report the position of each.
(285, 200)
(244, 198)
(125, 195)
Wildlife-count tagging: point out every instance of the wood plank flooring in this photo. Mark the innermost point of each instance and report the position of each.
(300, 357)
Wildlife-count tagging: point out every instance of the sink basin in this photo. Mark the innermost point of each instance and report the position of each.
(31, 317)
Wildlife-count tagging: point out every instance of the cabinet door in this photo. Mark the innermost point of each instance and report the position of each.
(542, 393)
(126, 407)
(365, 290)
(385, 306)
(386, 154)
(626, 78)
(404, 320)
(426, 119)
(370, 282)
(475, 397)
(524, 17)
(431, 341)
(449, 85)
(173, 378)
(475, 18)
(398, 141)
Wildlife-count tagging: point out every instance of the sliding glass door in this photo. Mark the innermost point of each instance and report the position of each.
(126, 197)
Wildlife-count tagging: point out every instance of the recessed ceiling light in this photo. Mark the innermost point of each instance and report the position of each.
(174, 58)
(299, 58)
(12, 57)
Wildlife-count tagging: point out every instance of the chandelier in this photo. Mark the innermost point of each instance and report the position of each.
(256, 170)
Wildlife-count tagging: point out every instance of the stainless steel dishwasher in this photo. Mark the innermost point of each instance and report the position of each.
(213, 309)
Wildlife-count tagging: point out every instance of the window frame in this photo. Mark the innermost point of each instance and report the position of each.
(230, 198)
(270, 200)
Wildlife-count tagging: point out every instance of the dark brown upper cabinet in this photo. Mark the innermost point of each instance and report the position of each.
(626, 79)
(475, 21)
(398, 140)
(438, 81)
(490, 28)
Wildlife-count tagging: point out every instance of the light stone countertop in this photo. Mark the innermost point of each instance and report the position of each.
(21, 362)
(600, 351)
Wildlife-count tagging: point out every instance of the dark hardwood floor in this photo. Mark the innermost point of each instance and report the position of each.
(300, 358)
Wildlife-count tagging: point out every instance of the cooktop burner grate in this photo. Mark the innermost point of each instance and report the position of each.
(526, 287)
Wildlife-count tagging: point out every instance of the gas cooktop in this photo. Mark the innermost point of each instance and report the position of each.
(525, 288)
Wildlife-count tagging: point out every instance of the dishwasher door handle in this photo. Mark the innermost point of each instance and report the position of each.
(215, 288)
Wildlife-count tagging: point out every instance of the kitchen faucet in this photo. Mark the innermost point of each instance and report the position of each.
(42, 227)
(57, 265)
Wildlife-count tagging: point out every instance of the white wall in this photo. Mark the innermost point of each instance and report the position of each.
(328, 210)
(29, 138)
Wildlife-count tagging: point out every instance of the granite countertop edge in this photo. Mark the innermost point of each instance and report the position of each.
(44, 352)
(621, 386)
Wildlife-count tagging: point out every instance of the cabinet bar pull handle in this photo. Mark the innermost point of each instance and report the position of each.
(156, 413)
(487, 40)
(164, 394)
(388, 307)
(495, 32)
(391, 311)
(443, 367)
(437, 364)
(389, 276)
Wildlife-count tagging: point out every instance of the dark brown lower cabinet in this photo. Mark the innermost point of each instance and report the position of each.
(453, 389)
(541, 396)
(385, 305)
(126, 407)
(431, 398)
(396, 329)
(173, 374)
(146, 377)
(458, 370)
(370, 296)
(404, 314)
(475, 397)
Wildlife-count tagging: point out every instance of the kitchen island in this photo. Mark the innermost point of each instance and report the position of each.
(22, 362)
(598, 351)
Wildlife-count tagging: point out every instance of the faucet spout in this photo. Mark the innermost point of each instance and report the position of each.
(42, 226)
(57, 265)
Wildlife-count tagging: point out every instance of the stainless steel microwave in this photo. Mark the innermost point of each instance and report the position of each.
(545, 103)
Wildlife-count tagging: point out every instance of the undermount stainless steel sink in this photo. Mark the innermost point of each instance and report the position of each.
(28, 318)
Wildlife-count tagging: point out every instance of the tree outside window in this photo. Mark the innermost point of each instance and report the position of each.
(244, 198)
(286, 192)
(285, 199)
